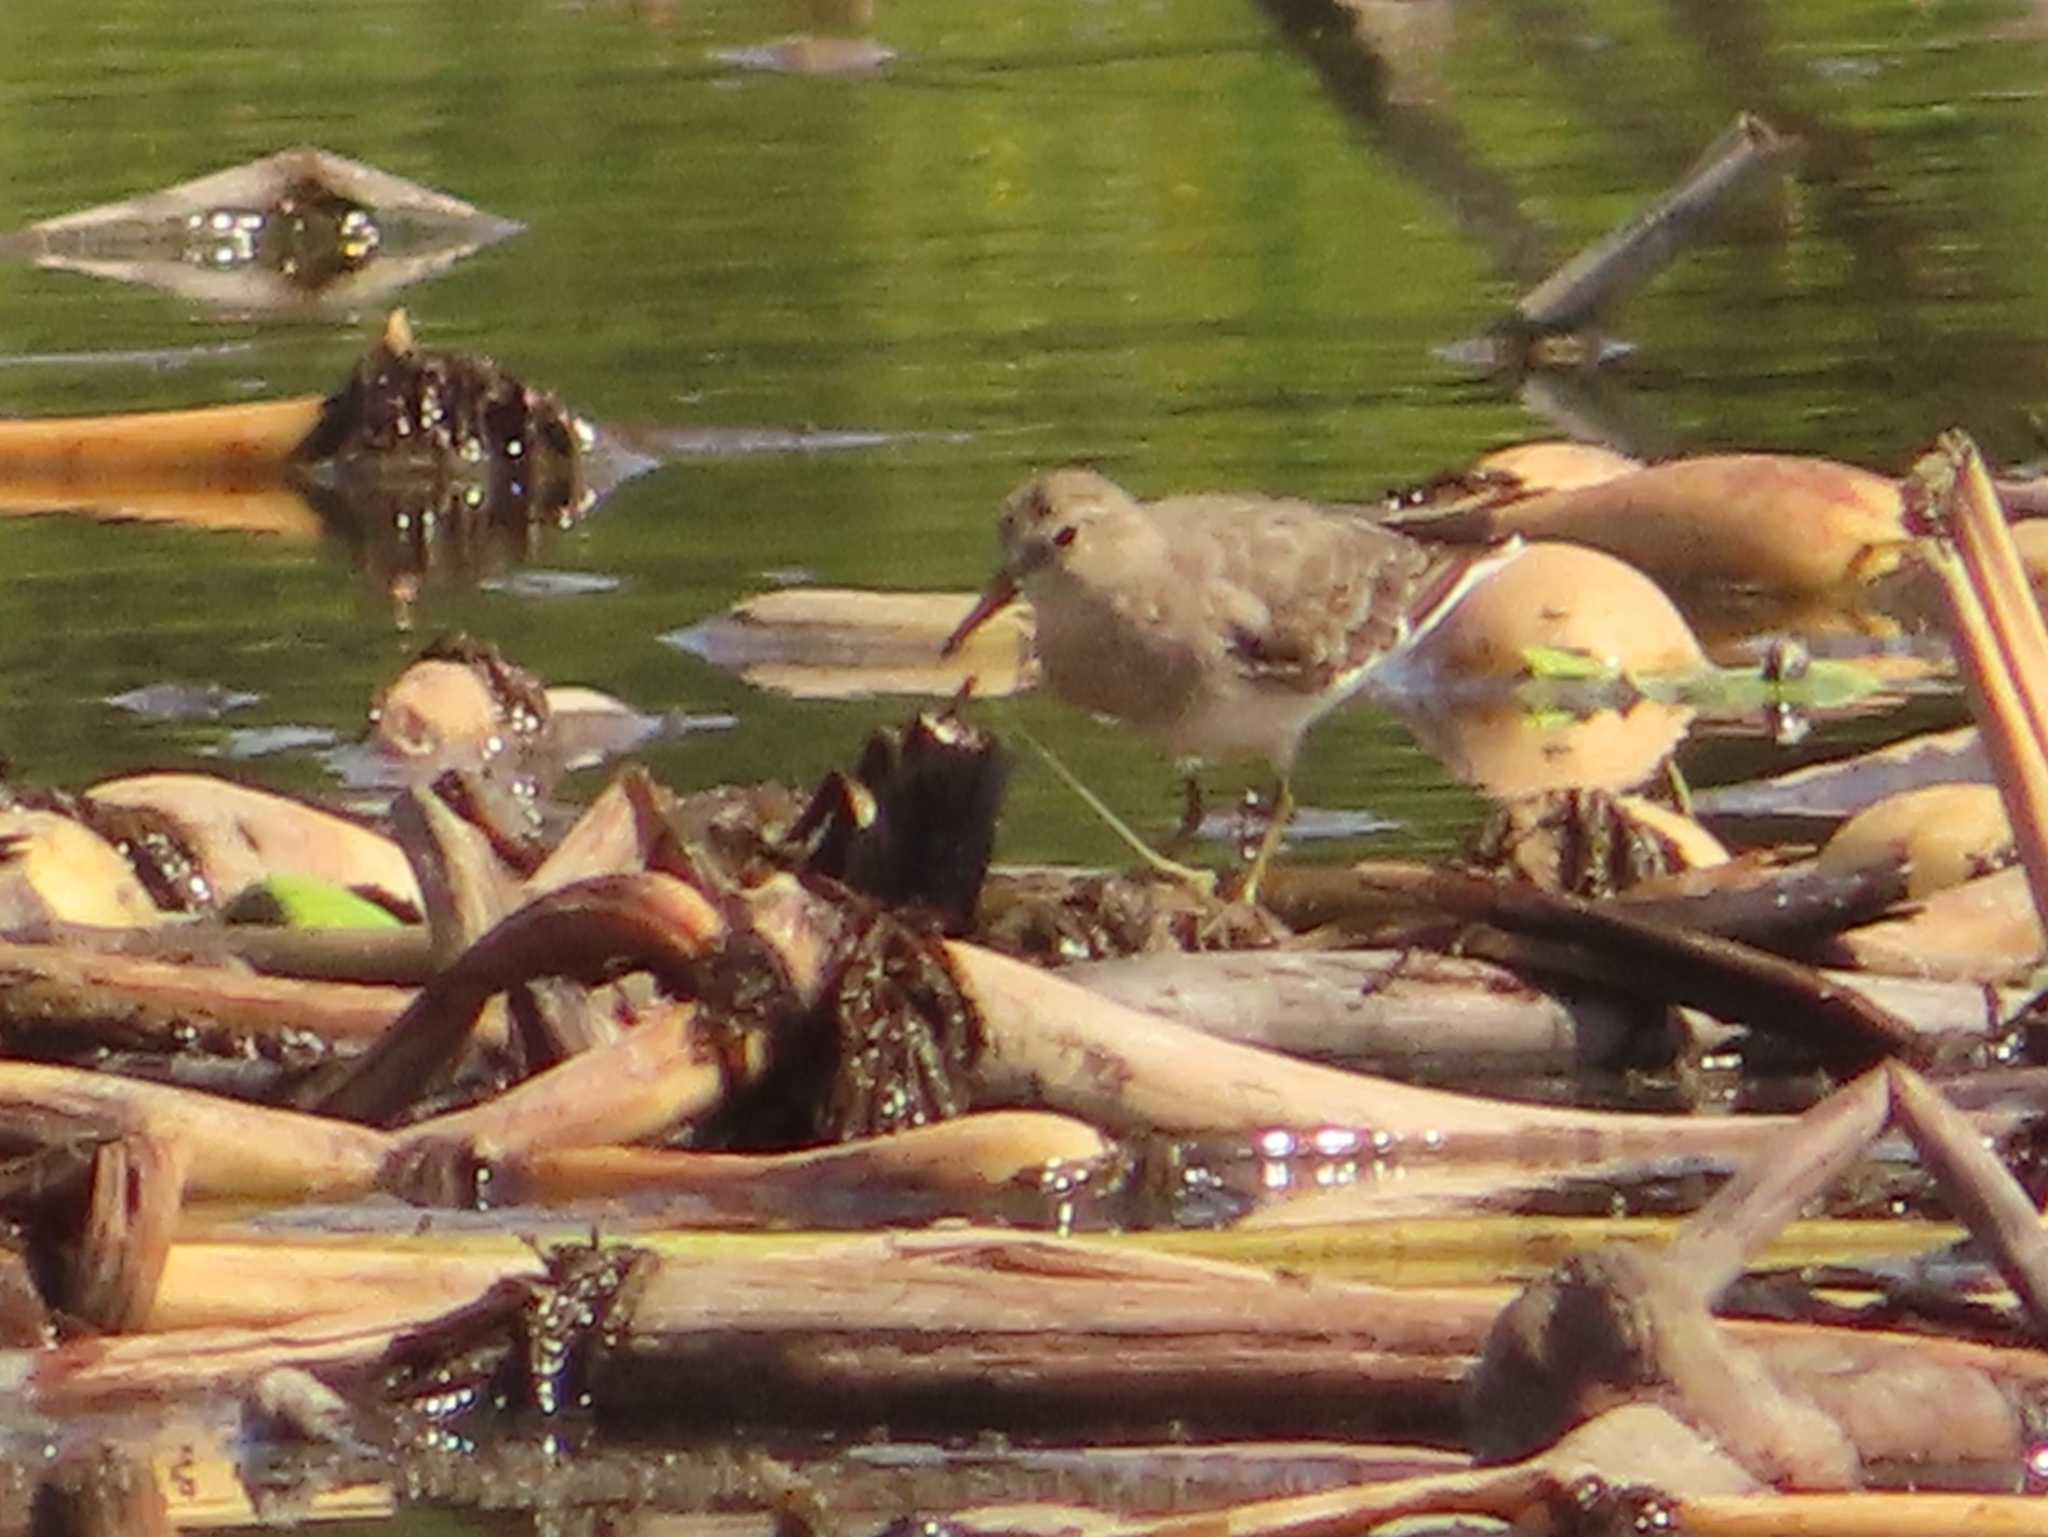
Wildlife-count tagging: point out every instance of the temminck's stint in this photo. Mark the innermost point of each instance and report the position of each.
(1222, 623)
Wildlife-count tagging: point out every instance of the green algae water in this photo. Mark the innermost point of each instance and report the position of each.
(1172, 240)
(1197, 243)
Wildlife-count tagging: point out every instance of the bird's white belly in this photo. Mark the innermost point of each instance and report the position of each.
(1251, 719)
(1138, 676)
(1160, 655)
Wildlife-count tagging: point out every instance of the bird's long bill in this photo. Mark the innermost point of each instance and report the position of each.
(1000, 593)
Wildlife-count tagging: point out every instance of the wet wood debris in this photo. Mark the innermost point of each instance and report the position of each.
(422, 463)
(743, 1092)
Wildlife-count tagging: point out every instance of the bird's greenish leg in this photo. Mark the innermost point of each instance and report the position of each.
(1203, 881)
(1269, 842)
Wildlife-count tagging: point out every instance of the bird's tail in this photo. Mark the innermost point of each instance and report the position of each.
(1457, 571)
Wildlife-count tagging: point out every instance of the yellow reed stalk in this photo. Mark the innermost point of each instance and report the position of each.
(1861, 1514)
(2000, 642)
(225, 447)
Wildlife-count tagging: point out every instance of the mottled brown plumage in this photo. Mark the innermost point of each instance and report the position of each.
(1223, 624)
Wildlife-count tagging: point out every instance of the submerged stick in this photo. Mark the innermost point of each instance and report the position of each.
(1611, 1450)
(1627, 257)
(950, 1168)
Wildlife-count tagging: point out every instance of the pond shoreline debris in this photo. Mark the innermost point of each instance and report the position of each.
(789, 994)
(785, 993)
(669, 1085)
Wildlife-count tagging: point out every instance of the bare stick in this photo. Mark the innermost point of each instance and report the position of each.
(660, 1072)
(124, 995)
(1630, 255)
(2001, 646)
(1734, 981)
(1050, 1042)
(1748, 1211)
(397, 957)
(590, 930)
(1980, 1188)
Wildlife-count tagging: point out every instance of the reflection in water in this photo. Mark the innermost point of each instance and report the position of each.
(1503, 747)
(839, 643)
(833, 37)
(811, 56)
(424, 463)
(182, 701)
(299, 228)
(430, 461)
(311, 236)
(841, 15)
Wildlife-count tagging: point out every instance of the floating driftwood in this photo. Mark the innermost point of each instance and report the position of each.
(837, 643)
(1773, 521)
(421, 461)
(1574, 295)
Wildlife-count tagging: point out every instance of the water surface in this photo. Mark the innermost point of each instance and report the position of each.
(1199, 243)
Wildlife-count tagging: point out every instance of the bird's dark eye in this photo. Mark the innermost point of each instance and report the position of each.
(1064, 536)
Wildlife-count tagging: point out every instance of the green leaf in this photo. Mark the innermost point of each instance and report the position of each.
(300, 902)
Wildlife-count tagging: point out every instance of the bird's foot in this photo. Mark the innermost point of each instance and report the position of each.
(1202, 882)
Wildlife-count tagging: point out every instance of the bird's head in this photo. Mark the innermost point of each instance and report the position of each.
(1044, 523)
